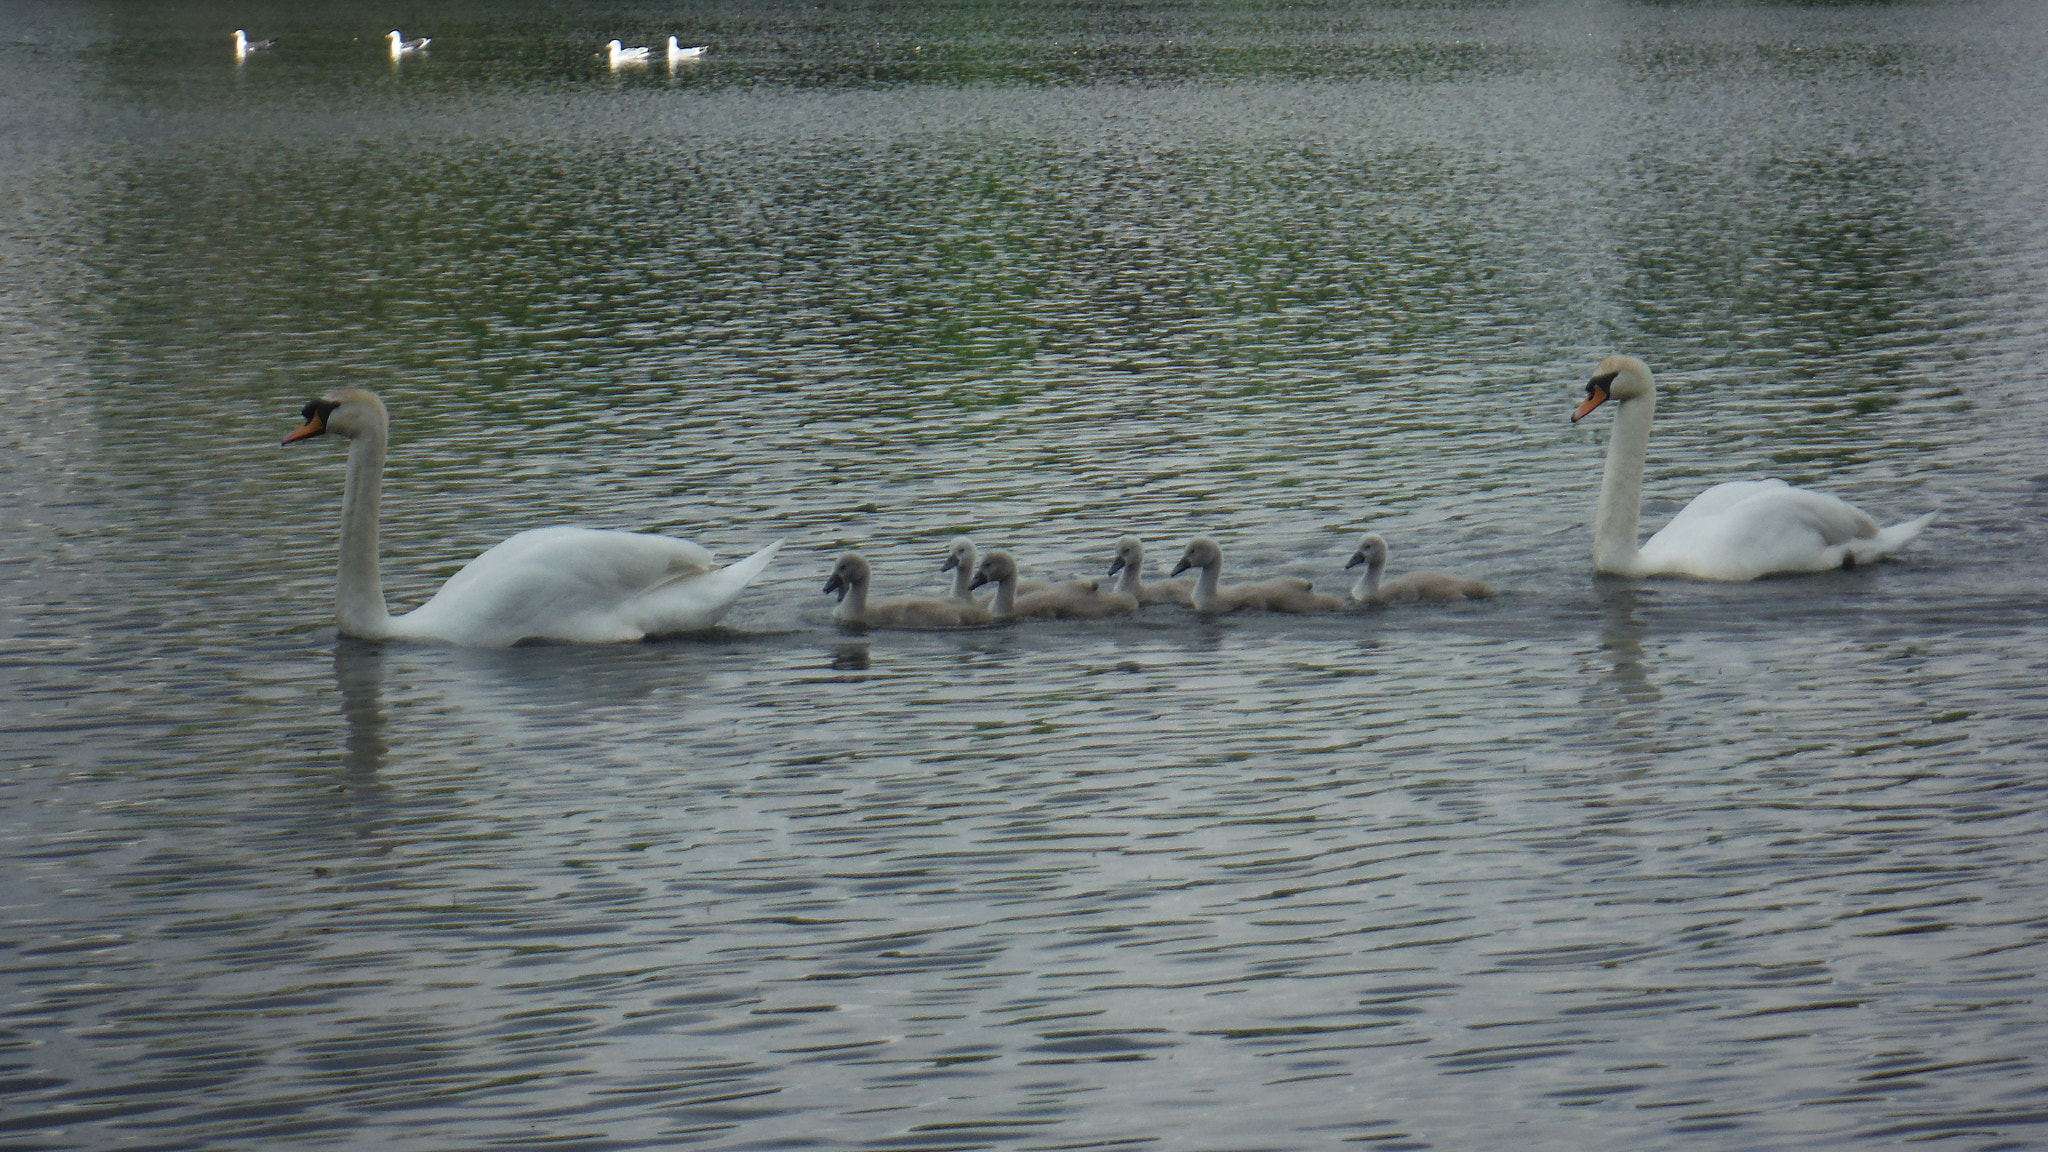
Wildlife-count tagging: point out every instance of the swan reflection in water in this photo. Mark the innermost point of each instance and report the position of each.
(359, 673)
(501, 696)
(1621, 642)
(362, 803)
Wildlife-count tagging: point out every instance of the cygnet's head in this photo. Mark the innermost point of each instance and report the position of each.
(851, 572)
(996, 567)
(346, 412)
(1130, 553)
(1372, 552)
(1617, 378)
(959, 555)
(1201, 552)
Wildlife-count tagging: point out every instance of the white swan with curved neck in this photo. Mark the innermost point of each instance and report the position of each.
(581, 585)
(1735, 531)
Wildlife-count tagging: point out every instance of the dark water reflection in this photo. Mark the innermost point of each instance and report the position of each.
(1596, 864)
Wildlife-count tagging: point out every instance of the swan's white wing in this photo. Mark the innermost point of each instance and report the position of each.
(693, 603)
(1750, 528)
(576, 584)
(1720, 498)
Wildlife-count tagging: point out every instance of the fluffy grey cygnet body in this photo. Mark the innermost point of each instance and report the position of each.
(1130, 562)
(1074, 600)
(1274, 594)
(1372, 552)
(850, 578)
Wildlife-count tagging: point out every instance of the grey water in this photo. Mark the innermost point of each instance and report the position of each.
(1596, 864)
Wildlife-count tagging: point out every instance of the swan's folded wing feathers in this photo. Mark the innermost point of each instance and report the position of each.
(1762, 527)
(559, 583)
(1718, 500)
(591, 560)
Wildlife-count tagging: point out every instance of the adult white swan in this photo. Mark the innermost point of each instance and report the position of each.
(582, 585)
(1735, 531)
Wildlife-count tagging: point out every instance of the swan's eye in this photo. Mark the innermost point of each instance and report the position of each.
(1601, 384)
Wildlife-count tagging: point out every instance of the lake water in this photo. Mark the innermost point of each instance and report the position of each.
(1597, 864)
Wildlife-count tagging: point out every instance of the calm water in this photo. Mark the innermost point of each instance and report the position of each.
(1595, 865)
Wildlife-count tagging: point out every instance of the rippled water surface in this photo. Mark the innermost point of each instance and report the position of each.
(1593, 865)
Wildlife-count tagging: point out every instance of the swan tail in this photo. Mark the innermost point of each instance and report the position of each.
(698, 602)
(745, 570)
(1899, 535)
(1889, 540)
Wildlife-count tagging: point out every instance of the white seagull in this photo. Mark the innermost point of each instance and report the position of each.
(677, 52)
(400, 45)
(620, 56)
(244, 45)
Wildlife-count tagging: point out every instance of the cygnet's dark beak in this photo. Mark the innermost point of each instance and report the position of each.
(1116, 566)
(1357, 558)
(980, 578)
(951, 563)
(835, 584)
(1180, 567)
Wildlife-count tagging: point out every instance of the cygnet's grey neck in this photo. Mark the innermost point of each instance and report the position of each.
(1208, 587)
(1005, 603)
(853, 606)
(1368, 585)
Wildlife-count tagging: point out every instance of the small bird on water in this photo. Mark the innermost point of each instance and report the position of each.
(400, 45)
(619, 54)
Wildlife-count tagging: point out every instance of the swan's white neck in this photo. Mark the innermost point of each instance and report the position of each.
(1368, 585)
(1621, 488)
(1127, 582)
(963, 581)
(1207, 588)
(359, 608)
